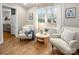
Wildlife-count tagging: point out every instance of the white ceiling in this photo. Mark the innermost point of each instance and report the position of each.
(28, 4)
(35, 4)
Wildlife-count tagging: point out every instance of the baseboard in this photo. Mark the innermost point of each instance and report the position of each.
(1, 42)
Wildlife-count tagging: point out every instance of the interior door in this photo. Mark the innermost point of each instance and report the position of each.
(13, 22)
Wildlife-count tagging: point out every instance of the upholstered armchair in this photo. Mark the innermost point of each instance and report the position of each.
(27, 32)
(67, 42)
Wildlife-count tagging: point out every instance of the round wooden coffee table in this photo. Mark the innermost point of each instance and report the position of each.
(42, 37)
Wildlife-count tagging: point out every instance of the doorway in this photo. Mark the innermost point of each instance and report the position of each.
(9, 22)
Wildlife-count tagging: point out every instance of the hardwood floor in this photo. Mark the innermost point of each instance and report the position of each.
(13, 46)
(7, 35)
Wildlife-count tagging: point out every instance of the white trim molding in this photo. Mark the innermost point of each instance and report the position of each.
(1, 42)
(1, 25)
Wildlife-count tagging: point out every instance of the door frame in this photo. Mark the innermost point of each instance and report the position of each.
(1, 25)
(2, 21)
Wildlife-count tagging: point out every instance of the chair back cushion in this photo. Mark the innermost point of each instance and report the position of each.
(73, 29)
(68, 35)
(28, 28)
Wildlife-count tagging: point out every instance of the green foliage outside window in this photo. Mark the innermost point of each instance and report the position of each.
(41, 20)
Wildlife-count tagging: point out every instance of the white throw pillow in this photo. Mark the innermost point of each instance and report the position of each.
(26, 29)
(68, 35)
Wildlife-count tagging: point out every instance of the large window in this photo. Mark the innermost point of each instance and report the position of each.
(51, 16)
(41, 15)
(47, 15)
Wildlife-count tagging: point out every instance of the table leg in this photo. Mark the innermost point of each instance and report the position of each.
(36, 39)
(45, 40)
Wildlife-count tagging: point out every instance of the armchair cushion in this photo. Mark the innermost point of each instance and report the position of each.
(61, 45)
(73, 44)
(21, 32)
(68, 35)
(56, 35)
(28, 32)
(23, 36)
(26, 29)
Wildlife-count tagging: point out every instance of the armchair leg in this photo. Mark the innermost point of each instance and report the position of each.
(53, 50)
(35, 40)
(52, 46)
(20, 40)
(74, 54)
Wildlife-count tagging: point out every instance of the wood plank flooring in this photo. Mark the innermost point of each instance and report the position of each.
(13, 46)
(7, 35)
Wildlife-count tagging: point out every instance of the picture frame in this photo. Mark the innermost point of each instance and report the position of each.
(70, 12)
(30, 16)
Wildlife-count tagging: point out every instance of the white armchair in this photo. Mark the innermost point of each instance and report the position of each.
(65, 47)
(22, 34)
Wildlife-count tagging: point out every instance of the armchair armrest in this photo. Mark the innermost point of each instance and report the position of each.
(56, 35)
(21, 32)
(73, 44)
(29, 35)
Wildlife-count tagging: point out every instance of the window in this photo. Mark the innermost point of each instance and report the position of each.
(51, 17)
(41, 15)
(47, 15)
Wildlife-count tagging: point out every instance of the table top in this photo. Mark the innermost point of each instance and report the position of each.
(42, 35)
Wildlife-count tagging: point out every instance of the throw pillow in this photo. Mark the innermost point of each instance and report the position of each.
(68, 35)
(26, 33)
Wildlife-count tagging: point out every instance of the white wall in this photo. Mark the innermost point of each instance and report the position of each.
(61, 20)
(1, 29)
(6, 12)
(59, 17)
(59, 14)
(73, 22)
(21, 15)
(34, 21)
(31, 11)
